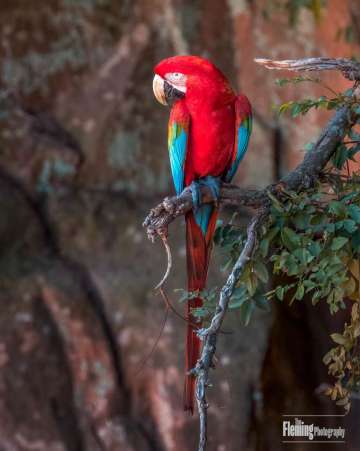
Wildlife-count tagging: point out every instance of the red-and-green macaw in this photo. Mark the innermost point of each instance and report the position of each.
(209, 130)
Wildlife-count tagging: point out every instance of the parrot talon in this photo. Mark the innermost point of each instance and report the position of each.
(168, 206)
(195, 194)
(213, 183)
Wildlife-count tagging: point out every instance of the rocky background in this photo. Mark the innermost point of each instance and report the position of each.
(82, 159)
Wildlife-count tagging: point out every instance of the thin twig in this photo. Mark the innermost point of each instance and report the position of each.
(163, 235)
(173, 309)
(154, 346)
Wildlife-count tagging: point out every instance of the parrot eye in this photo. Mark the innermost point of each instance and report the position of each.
(175, 77)
(177, 80)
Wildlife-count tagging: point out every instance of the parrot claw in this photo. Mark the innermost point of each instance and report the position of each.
(213, 183)
(195, 194)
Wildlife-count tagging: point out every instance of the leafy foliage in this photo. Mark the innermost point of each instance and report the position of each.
(295, 108)
(343, 361)
(311, 237)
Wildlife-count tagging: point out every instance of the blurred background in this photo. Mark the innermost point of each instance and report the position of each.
(83, 158)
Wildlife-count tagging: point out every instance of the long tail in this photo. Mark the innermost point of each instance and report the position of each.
(200, 227)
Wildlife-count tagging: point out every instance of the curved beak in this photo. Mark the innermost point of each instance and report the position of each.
(159, 91)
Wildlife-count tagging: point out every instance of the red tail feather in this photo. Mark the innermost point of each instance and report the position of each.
(198, 250)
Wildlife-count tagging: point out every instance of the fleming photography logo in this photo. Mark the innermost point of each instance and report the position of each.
(310, 430)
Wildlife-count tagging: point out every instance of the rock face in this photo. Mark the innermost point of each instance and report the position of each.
(89, 358)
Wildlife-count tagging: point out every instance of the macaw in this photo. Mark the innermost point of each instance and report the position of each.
(208, 135)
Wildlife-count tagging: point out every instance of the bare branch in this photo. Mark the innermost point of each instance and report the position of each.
(350, 69)
(172, 207)
(210, 334)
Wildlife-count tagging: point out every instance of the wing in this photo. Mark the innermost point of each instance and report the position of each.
(179, 124)
(243, 127)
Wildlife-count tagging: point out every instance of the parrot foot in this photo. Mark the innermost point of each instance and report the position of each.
(213, 183)
(195, 194)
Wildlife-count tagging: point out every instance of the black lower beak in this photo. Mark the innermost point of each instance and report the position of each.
(172, 94)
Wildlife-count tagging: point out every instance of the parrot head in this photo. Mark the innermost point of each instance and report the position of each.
(193, 78)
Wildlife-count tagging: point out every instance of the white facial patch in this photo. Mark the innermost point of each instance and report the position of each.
(177, 80)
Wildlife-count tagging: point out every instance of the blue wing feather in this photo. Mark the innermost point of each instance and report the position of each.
(178, 142)
(243, 130)
(179, 125)
(177, 152)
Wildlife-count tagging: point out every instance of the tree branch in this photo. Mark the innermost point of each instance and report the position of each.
(171, 207)
(350, 69)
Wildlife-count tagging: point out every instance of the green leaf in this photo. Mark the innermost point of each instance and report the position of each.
(284, 107)
(335, 296)
(262, 302)
(272, 233)
(246, 311)
(261, 271)
(251, 284)
(290, 239)
(314, 248)
(350, 225)
(328, 357)
(316, 297)
(354, 212)
(301, 220)
(239, 296)
(338, 339)
(309, 284)
(303, 255)
(291, 265)
(340, 156)
(338, 243)
(355, 241)
(239, 292)
(337, 208)
(265, 242)
(296, 109)
(199, 312)
(237, 303)
(300, 292)
(264, 247)
(280, 291)
(184, 294)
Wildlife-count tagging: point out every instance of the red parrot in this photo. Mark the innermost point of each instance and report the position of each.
(209, 130)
